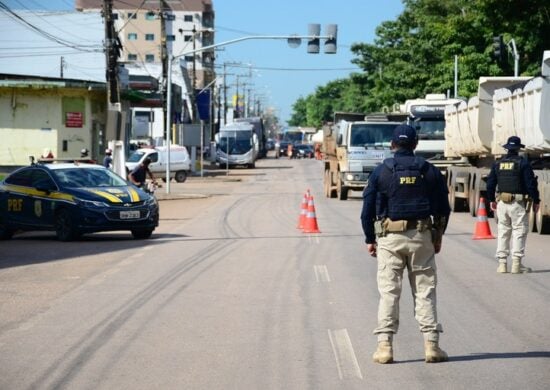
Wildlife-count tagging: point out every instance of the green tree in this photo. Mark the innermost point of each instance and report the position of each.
(299, 113)
(414, 54)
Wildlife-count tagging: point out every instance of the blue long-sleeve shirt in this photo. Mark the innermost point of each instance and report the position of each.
(373, 199)
(528, 180)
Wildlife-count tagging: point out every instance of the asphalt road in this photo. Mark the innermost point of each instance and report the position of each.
(229, 294)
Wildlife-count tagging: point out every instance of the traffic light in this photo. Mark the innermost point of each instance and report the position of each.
(498, 48)
(313, 30)
(331, 31)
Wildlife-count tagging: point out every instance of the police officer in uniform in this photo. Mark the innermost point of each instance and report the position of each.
(405, 213)
(517, 191)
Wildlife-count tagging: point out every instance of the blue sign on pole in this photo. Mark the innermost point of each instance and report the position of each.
(203, 104)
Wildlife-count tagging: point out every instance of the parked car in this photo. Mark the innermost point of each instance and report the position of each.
(283, 147)
(73, 199)
(304, 151)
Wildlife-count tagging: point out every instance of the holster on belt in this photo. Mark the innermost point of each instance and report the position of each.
(506, 197)
(402, 225)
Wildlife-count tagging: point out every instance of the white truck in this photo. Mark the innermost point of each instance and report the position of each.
(351, 150)
(427, 116)
(180, 163)
(237, 144)
(477, 129)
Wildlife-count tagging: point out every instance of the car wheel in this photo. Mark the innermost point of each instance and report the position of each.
(141, 234)
(181, 176)
(64, 227)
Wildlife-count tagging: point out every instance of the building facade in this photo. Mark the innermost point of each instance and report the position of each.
(61, 115)
(188, 25)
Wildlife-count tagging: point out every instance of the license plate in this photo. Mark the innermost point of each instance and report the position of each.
(130, 214)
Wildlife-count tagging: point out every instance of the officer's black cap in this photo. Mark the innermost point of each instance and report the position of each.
(513, 143)
(404, 134)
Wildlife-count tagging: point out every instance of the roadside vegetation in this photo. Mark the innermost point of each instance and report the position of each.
(415, 55)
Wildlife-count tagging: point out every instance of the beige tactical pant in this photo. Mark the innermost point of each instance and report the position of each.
(513, 225)
(395, 252)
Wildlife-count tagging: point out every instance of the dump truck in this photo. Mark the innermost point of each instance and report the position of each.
(427, 116)
(476, 130)
(352, 147)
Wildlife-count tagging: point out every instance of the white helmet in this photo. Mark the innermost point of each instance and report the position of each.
(108, 151)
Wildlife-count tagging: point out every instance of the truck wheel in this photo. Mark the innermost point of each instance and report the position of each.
(181, 176)
(64, 227)
(542, 220)
(326, 184)
(332, 192)
(341, 191)
(457, 204)
(532, 221)
(543, 223)
(473, 196)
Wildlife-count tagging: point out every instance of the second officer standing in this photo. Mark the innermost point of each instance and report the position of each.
(402, 196)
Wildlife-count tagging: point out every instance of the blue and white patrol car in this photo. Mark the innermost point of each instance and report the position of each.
(73, 199)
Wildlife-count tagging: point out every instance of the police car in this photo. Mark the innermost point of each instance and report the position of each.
(73, 199)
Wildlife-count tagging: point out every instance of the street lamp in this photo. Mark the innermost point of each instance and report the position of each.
(330, 37)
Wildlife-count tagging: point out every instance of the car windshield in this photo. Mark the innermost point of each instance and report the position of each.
(136, 156)
(433, 129)
(88, 177)
(372, 134)
(239, 141)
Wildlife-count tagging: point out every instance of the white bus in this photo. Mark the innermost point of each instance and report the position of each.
(237, 144)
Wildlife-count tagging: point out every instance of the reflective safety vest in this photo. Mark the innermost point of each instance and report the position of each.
(406, 189)
(508, 175)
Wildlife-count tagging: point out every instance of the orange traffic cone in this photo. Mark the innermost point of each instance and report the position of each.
(303, 211)
(483, 230)
(310, 225)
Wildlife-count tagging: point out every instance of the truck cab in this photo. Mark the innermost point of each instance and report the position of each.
(352, 150)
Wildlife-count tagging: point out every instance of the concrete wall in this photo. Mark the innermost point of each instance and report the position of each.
(32, 119)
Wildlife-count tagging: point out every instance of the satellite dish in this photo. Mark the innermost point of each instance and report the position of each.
(294, 42)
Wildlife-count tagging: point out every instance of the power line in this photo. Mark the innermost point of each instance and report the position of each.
(294, 69)
(45, 34)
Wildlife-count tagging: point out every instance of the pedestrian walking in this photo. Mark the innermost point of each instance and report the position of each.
(512, 189)
(405, 213)
(108, 159)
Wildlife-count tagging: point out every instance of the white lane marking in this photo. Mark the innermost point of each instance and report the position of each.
(311, 238)
(346, 362)
(321, 273)
(146, 248)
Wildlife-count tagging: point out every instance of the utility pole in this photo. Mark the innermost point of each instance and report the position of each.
(113, 127)
(164, 60)
(194, 81)
(236, 111)
(61, 66)
(224, 95)
(111, 41)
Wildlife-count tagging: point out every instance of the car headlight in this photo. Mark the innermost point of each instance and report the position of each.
(152, 201)
(90, 203)
(349, 176)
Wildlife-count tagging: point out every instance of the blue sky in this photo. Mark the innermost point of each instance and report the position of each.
(279, 73)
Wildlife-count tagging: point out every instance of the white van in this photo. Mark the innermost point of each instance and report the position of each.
(180, 163)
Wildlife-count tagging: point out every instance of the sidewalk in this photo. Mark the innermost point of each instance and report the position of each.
(212, 182)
